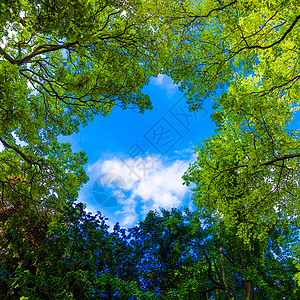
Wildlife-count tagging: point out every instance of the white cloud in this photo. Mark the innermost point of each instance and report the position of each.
(188, 153)
(163, 187)
(159, 79)
(18, 141)
(123, 13)
(139, 185)
(165, 82)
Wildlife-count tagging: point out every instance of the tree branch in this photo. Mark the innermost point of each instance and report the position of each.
(5, 144)
(46, 49)
(275, 43)
(216, 9)
(210, 271)
(268, 163)
(38, 51)
(7, 57)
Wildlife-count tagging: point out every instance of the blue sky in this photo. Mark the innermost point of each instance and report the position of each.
(135, 161)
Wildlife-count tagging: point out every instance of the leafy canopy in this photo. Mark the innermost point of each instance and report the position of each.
(61, 63)
(245, 55)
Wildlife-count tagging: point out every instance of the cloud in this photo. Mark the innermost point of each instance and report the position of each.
(126, 189)
(188, 153)
(18, 142)
(163, 187)
(164, 82)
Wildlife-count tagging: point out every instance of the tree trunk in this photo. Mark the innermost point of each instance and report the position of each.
(248, 294)
(227, 293)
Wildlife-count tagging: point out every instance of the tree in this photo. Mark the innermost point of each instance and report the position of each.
(162, 243)
(171, 255)
(216, 40)
(62, 62)
(245, 55)
(181, 256)
(75, 258)
(244, 168)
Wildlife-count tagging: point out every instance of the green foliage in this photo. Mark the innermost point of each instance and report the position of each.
(184, 257)
(245, 56)
(171, 255)
(161, 243)
(62, 62)
(220, 40)
(74, 258)
(247, 52)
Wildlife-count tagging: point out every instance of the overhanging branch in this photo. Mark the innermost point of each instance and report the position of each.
(42, 49)
(273, 44)
(31, 162)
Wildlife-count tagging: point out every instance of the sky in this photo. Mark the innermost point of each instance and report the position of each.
(136, 161)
